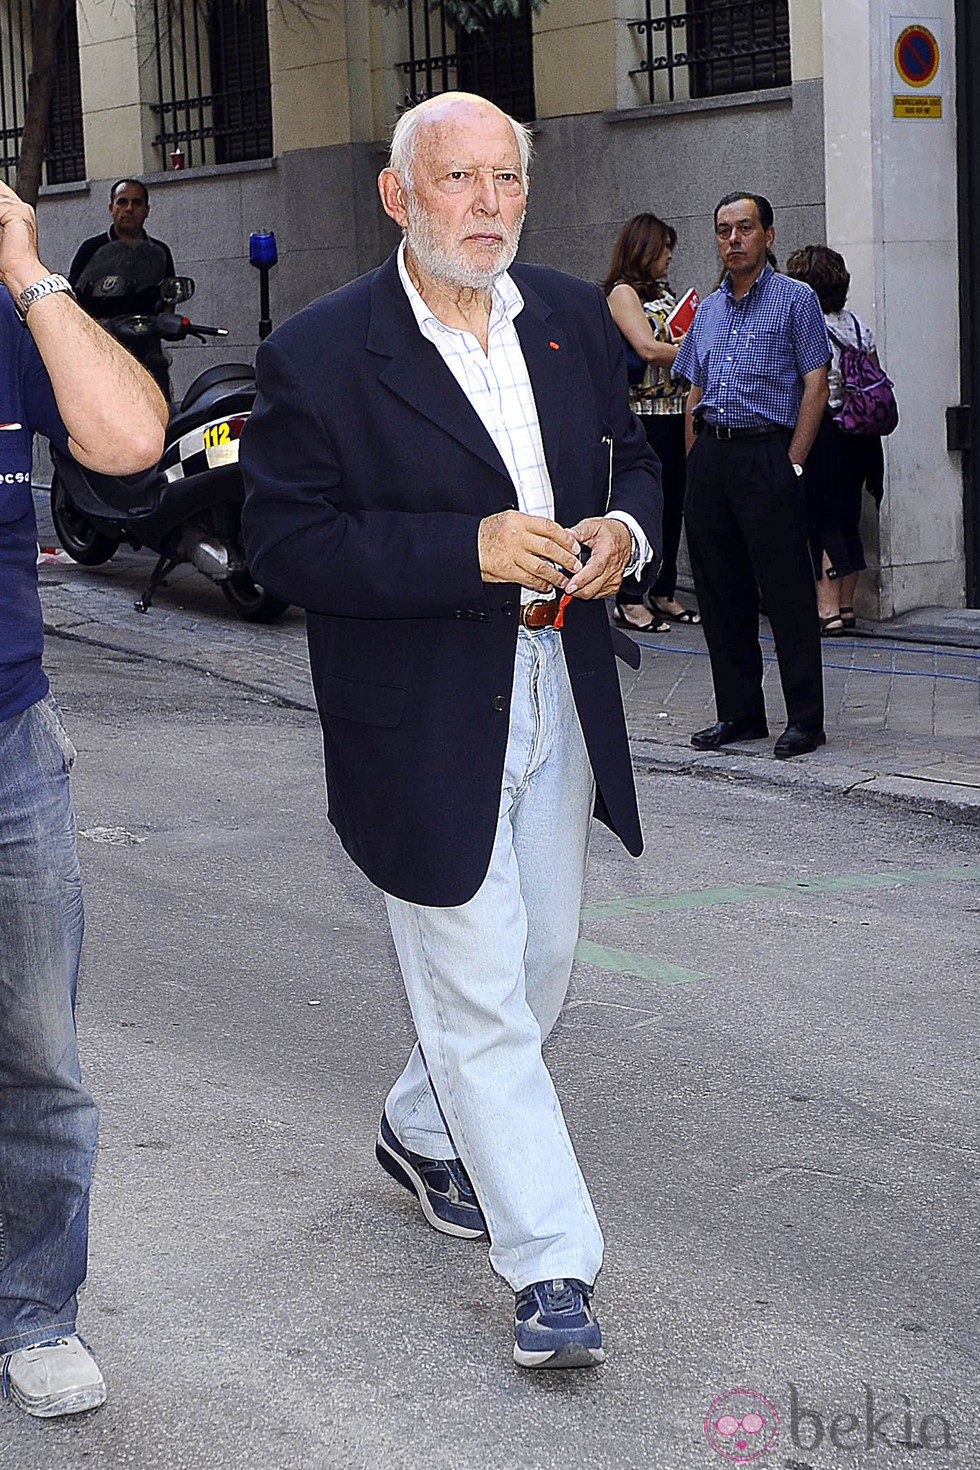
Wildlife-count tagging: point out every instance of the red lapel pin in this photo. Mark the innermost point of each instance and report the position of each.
(554, 345)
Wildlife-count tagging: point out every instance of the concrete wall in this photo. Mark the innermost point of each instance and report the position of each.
(891, 211)
(320, 203)
(108, 58)
(323, 207)
(826, 151)
(592, 172)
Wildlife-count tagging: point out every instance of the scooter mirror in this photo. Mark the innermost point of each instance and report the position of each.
(177, 288)
(262, 248)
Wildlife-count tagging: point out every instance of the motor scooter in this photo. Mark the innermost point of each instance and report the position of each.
(188, 507)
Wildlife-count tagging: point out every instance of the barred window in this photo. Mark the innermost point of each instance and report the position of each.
(64, 148)
(495, 62)
(212, 81)
(64, 144)
(709, 48)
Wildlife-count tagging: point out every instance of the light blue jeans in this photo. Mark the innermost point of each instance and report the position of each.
(47, 1119)
(486, 981)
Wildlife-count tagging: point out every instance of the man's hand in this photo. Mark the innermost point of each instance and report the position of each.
(693, 399)
(611, 543)
(19, 263)
(812, 405)
(515, 547)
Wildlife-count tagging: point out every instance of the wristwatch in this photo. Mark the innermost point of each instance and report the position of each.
(797, 468)
(47, 286)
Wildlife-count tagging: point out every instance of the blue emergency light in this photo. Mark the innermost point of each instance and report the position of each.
(262, 248)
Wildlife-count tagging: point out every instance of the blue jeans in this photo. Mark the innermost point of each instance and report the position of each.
(48, 1120)
(486, 981)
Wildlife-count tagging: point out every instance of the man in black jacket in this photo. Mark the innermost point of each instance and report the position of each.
(433, 449)
(119, 272)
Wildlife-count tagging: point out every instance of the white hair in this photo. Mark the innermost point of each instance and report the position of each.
(405, 136)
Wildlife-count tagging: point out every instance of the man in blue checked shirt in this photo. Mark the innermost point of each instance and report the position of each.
(756, 357)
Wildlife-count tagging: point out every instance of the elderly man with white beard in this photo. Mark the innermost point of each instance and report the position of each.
(441, 468)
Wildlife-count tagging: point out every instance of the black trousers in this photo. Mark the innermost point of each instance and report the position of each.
(746, 529)
(837, 469)
(665, 436)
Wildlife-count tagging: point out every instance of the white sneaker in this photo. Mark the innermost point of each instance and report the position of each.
(61, 1379)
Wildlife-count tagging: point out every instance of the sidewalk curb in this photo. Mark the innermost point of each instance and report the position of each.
(820, 777)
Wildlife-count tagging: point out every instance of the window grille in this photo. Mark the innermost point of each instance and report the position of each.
(212, 80)
(64, 145)
(709, 48)
(496, 62)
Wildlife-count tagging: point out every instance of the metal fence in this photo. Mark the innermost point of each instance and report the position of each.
(708, 48)
(212, 79)
(496, 62)
(64, 144)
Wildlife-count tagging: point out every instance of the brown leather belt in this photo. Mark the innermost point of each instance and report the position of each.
(539, 614)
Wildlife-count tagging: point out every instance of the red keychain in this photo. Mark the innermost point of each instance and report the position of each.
(565, 599)
(583, 552)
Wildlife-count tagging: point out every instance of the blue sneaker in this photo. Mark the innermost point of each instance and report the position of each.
(555, 1326)
(443, 1186)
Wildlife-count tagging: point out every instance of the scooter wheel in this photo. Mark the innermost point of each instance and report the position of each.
(83, 542)
(252, 602)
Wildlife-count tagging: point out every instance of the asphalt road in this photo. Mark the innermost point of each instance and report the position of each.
(768, 1063)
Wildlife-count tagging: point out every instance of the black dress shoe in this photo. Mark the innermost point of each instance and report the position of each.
(797, 740)
(728, 731)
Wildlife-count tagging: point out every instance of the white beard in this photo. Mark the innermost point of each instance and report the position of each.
(446, 264)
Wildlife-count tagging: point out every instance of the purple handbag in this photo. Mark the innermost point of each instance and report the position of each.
(869, 405)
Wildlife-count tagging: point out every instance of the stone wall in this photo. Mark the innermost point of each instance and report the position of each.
(320, 203)
(591, 172)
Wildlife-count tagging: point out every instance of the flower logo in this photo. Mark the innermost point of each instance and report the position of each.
(741, 1425)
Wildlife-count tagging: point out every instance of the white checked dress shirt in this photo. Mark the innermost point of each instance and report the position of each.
(497, 384)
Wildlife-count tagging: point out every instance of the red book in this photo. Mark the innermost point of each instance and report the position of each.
(683, 314)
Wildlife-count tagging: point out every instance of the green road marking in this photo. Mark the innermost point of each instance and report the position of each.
(662, 903)
(644, 966)
(662, 972)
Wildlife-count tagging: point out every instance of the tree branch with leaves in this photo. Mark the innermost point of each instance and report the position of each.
(474, 15)
(48, 17)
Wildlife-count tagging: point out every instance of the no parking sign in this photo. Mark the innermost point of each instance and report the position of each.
(917, 63)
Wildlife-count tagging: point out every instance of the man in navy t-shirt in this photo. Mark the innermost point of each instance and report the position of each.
(63, 376)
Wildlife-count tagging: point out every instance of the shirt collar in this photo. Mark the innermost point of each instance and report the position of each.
(506, 300)
(764, 274)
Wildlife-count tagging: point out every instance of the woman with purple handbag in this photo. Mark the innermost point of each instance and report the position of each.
(846, 456)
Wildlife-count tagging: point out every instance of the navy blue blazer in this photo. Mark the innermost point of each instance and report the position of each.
(367, 474)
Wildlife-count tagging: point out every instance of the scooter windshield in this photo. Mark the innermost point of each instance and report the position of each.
(123, 279)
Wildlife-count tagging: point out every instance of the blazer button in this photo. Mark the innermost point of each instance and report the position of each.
(499, 702)
(509, 609)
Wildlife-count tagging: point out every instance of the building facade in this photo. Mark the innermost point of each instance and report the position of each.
(277, 112)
